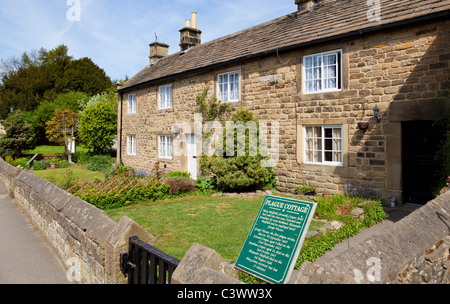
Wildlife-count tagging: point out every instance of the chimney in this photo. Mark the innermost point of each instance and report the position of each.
(305, 5)
(158, 50)
(189, 35)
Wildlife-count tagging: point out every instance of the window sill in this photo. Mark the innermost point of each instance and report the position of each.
(322, 92)
(331, 165)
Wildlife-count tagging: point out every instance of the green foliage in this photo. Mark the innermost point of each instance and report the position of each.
(100, 163)
(374, 214)
(40, 165)
(156, 192)
(327, 208)
(178, 174)
(211, 109)
(23, 163)
(81, 158)
(110, 98)
(206, 185)
(63, 164)
(234, 172)
(61, 128)
(98, 127)
(42, 76)
(19, 136)
(306, 188)
(46, 110)
(317, 245)
(10, 160)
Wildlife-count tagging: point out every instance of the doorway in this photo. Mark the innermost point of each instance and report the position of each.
(420, 143)
(192, 155)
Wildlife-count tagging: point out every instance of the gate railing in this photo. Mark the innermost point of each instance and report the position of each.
(145, 264)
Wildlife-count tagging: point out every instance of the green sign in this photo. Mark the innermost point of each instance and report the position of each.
(274, 242)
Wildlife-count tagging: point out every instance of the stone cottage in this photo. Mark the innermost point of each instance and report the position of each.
(352, 85)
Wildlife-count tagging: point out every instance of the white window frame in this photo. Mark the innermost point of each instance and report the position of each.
(322, 69)
(321, 150)
(224, 92)
(165, 146)
(165, 97)
(132, 104)
(131, 145)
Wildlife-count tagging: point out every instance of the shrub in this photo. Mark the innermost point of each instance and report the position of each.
(81, 158)
(100, 163)
(63, 164)
(156, 192)
(10, 160)
(179, 174)
(40, 165)
(306, 188)
(206, 184)
(179, 184)
(237, 171)
(23, 163)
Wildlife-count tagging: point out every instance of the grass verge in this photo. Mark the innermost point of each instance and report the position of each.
(220, 223)
(60, 176)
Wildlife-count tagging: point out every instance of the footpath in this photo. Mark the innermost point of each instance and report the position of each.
(25, 257)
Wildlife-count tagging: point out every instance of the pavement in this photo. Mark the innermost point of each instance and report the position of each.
(394, 215)
(25, 257)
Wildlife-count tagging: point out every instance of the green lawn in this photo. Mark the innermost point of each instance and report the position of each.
(220, 223)
(79, 174)
(52, 149)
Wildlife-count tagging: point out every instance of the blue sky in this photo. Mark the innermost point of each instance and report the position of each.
(116, 34)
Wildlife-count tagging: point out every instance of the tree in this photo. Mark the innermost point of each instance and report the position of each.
(46, 110)
(19, 136)
(98, 126)
(44, 75)
(61, 129)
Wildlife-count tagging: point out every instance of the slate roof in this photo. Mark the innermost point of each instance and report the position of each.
(330, 18)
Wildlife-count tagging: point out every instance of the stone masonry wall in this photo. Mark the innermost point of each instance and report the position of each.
(399, 70)
(413, 250)
(86, 239)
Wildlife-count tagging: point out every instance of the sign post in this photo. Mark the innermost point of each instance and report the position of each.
(276, 238)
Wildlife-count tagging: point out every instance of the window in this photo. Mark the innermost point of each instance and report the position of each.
(228, 86)
(165, 97)
(131, 144)
(322, 72)
(165, 146)
(131, 103)
(324, 145)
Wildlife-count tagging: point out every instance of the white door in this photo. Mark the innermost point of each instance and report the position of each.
(192, 155)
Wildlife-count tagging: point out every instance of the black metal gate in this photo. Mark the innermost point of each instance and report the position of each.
(145, 264)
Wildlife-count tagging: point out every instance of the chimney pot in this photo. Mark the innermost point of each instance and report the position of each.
(188, 23)
(194, 20)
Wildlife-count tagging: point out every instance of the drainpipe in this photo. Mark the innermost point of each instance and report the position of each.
(119, 152)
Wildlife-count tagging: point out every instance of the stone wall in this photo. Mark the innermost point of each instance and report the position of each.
(399, 70)
(413, 250)
(85, 238)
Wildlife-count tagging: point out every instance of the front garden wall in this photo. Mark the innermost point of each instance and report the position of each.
(85, 238)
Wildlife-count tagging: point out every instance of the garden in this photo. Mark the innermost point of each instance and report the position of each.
(172, 206)
(179, 211)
